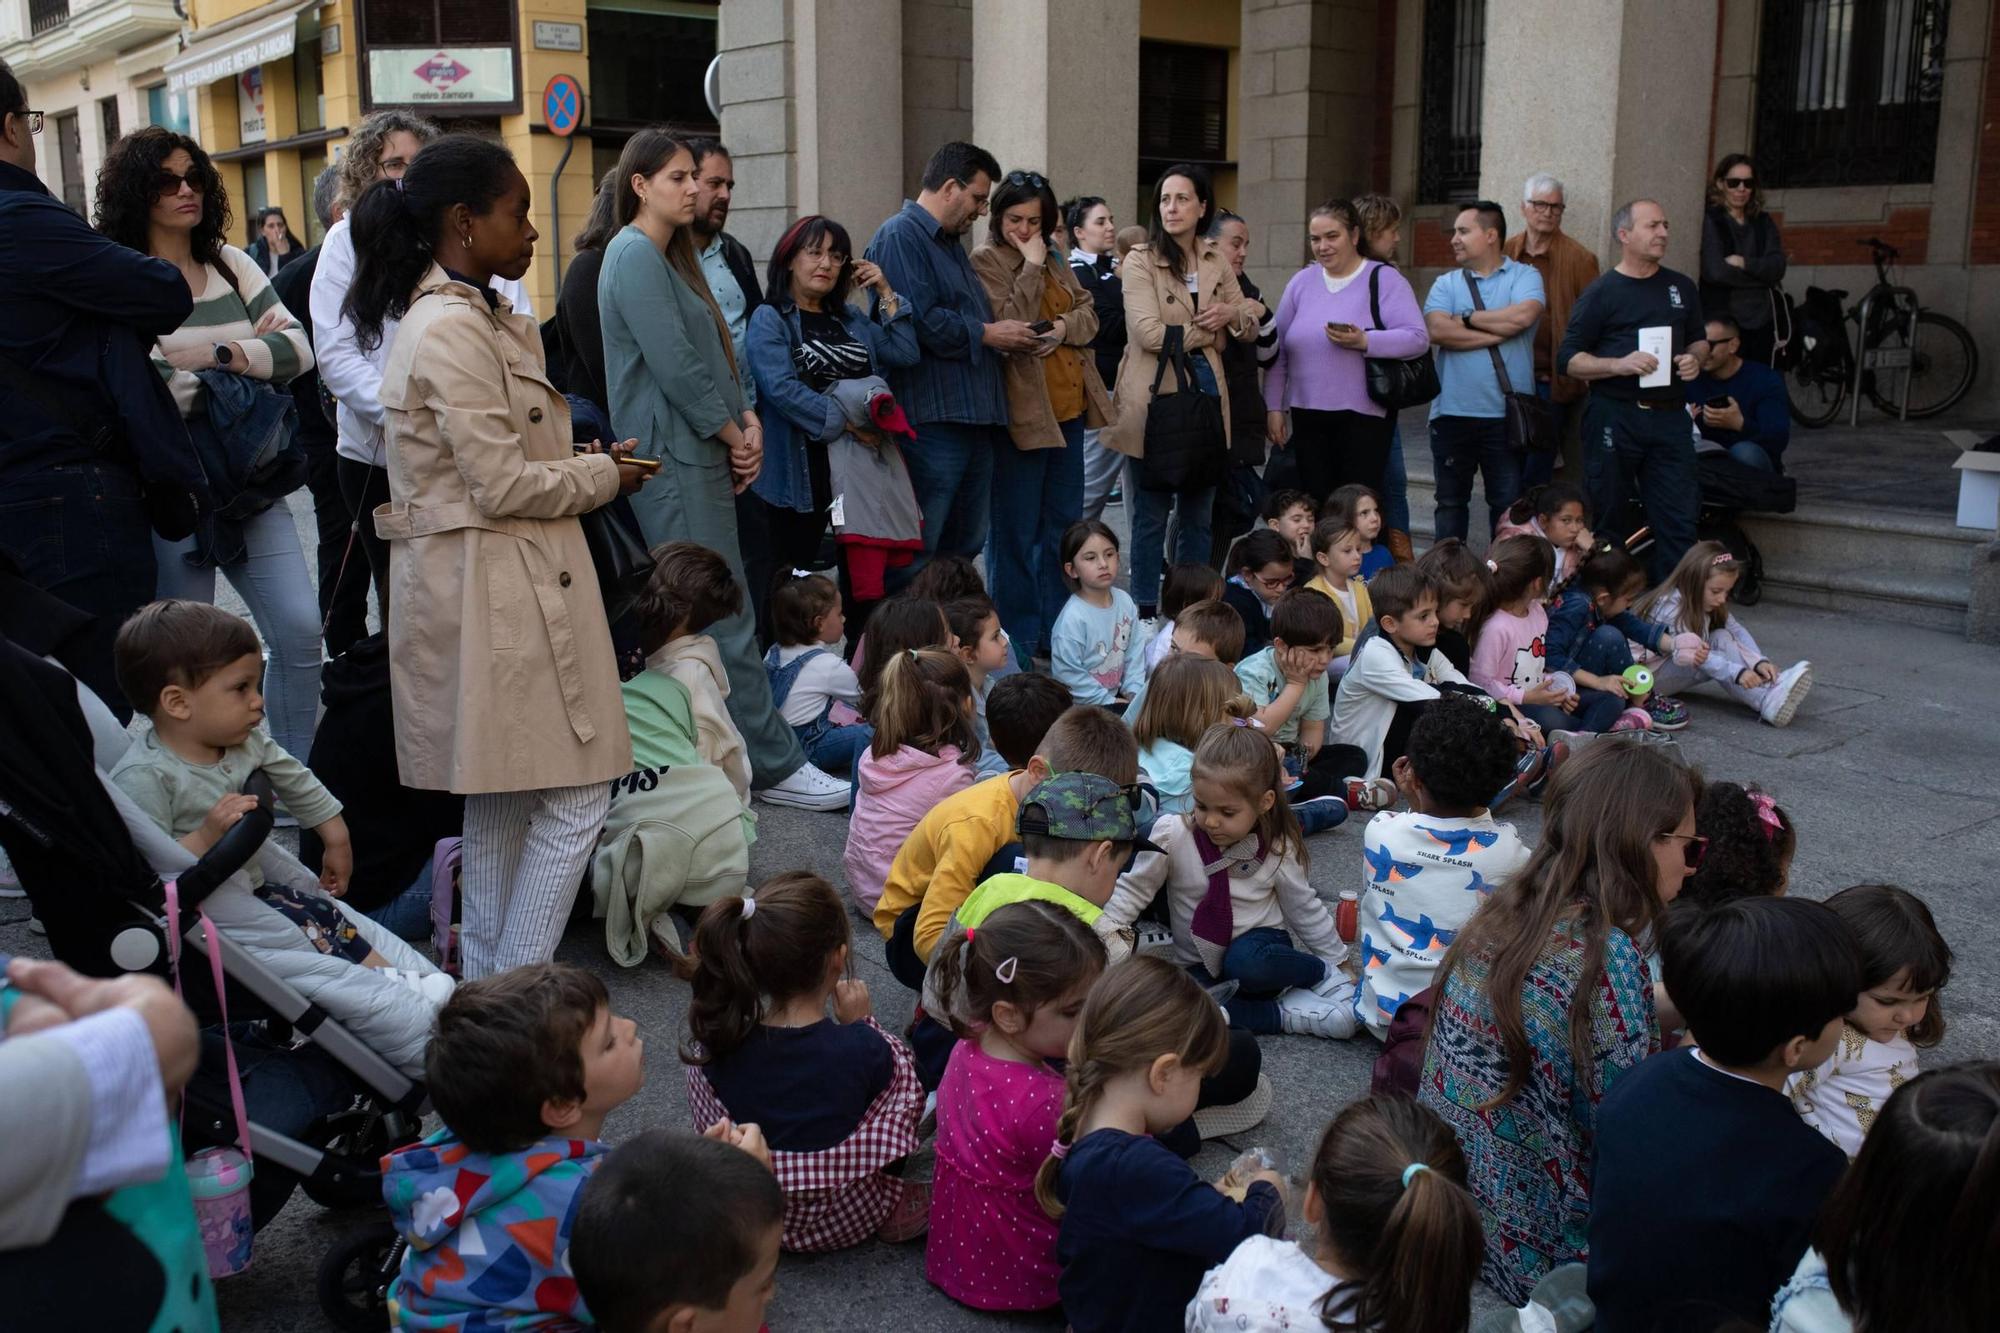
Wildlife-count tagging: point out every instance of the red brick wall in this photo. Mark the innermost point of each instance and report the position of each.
(1908, 229)
(1430, 241)
(1985, 238)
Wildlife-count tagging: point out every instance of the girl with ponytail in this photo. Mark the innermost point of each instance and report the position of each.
(1398, 1237)
(1137, 1224)
(1012, 989)
(838, 1098)
(504, 673)
(925, 747)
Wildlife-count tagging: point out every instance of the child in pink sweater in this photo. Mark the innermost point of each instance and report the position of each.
(926, 748)
(1508, 655)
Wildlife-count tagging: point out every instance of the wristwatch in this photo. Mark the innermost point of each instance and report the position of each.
(1466, 319)
(223, 354)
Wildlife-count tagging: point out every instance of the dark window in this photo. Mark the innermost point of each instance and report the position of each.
(69, 153)
(46, 14)
(1183, 107)
(1848, 92)
(107, 115)
(440, 22)
(646, 69)
(1454, 72)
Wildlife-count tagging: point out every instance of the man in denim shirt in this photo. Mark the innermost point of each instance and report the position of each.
(953, 396)
(1469, 419)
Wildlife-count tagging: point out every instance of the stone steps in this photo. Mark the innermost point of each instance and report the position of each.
(1903, 568)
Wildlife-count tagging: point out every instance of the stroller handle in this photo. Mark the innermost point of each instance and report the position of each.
(234, 849)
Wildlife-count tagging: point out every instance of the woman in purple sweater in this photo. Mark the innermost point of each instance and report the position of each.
(1325, 329)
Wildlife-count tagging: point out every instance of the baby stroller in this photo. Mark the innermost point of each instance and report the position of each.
(95, 868)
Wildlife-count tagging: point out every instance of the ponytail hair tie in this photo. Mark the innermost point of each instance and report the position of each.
(802, 573)
(1767, 814)
(1058, 1150)
(1492, 568)
(968, 934)
(749, 907)
(1246, 722)
(1410, 1172)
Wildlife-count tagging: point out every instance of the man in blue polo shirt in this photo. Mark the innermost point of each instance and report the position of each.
(953, 395)
(1469, 419)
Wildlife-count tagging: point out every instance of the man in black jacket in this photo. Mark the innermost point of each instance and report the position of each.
(343, 565)
(93, 455)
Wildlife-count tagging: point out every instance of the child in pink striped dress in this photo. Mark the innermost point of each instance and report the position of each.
(1024, 972)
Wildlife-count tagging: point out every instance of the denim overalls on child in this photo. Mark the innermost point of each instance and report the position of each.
(827, 744)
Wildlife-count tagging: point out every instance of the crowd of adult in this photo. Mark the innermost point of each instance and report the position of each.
(675, 392)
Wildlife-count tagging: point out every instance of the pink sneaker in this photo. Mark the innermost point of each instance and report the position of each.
(1633, 719)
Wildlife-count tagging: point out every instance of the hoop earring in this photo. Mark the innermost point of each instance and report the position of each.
(466, 240)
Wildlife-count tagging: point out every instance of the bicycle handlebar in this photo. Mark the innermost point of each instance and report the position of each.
(1880, 247)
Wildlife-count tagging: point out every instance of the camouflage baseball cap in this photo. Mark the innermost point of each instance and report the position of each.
(1085, 807)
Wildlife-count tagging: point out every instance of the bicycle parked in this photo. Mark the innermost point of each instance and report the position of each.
(1938, 352)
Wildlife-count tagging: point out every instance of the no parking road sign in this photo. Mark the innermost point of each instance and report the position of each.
(562, 105)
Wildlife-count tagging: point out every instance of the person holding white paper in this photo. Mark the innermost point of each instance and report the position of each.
(1634, 333)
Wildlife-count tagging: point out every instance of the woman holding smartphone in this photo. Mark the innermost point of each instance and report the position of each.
(1326, 332)
(1053, 395)
(671, 370)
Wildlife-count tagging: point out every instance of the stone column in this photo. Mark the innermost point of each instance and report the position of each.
(1308, 112)
(1629, 115)
(937, 81)
(1055, 89)
(812, 109)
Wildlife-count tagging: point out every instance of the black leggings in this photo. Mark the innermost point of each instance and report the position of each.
(1328, 770)
(1335, 449)
(365, 486)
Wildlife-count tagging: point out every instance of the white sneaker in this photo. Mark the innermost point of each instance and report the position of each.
(808, 788)
(1213, 1122)
(1153, 937)
(1787, 693)
(1307, 1013)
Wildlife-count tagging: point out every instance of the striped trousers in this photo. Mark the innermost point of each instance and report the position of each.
(525, 853)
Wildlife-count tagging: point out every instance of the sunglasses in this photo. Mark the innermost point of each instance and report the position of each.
(1740, 182)
(166, 182)
(1694, 849)
(1028, 178)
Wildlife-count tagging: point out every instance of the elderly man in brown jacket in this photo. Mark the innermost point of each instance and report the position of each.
(1566, 268)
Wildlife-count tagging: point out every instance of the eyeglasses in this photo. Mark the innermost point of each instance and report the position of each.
(1544, 206)
(1740, 182)
(1029, 179)
(34, 119)
(1695, 849)
(168, 183)
(1279, 584)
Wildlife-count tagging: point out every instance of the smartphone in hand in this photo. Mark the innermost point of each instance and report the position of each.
(1042, 326)
(1341, 328)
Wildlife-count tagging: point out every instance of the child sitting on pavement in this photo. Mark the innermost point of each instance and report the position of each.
(690, 589)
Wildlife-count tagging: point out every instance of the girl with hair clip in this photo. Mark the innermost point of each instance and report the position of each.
(1013, 989)
(1138, 1225)
(1545, 999)
(1695, 600)
(1751, 842)
(1555, 512)
(1234, 870)
(1509, 636)
(1909, 1239)
(1397, 1237)
(924, 750)
(1185, 697)
(837, 1098)
(807, 674)
(1904, 964)
(907, 620)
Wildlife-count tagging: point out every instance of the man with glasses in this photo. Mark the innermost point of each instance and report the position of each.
(1737, 404)
(1634, 332)
(93, 455)
(1566, 268)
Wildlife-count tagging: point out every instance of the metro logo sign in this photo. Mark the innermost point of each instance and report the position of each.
(441, 71)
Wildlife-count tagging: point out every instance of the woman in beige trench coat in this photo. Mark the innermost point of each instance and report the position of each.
(500, 659)
(1174, 280)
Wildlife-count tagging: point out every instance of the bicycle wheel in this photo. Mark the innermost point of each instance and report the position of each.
(1815, 391)
(1941, 367)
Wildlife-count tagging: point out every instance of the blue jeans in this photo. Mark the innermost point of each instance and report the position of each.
(1190, 511)
(951, 471)
(1627, 447)
(1396, 486)
(1605, 652)
(78, 531)
(835, 749)
(1595, 711)
(1751, 454)
(1460, 447)
(274, 584)
(408, 914)
(1037, 493)
(1263, 962)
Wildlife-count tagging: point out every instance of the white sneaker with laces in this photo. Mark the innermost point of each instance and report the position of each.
(809, 788)
(1307, 1013)
(1787, 693)
(1153, 937)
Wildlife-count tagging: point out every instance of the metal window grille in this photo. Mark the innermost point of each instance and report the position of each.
(1183, 104)
(1848, 91)
(1454, 75)
(46, 14)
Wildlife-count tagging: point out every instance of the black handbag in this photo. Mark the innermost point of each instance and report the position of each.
(1186, 447)
(618, 553)
(1531, 427)
(1392, 381)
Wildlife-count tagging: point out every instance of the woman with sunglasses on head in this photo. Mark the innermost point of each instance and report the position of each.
(159, 194)
(1054, 394)
(1546, 998)
(803, 342)
(1742, 256)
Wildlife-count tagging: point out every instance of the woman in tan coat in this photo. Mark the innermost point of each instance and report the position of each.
(500, 658)
(1053, 394)
(1174, 280)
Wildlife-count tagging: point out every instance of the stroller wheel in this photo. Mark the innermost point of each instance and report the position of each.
(354, 1278)
(359, 1136)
